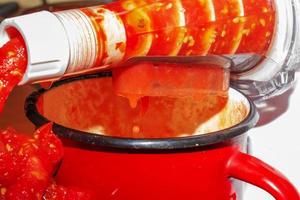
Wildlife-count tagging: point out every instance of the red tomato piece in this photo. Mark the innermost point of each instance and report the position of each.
(27, 164)
(13, 62)
(50, 147)
(31, 184)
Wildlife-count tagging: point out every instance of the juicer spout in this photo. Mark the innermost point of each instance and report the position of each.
(46, 43)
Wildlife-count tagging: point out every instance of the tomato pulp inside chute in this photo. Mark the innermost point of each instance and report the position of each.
(184, 28)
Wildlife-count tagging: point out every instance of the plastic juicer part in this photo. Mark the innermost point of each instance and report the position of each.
(276, 72)
(46, 41)
(76, 38)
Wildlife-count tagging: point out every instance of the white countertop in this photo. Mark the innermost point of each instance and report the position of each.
(277, 142)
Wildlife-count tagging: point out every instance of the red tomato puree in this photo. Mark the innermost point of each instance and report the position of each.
(27, 164)
(13, 62)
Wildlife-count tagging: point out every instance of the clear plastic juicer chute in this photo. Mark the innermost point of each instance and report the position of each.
(261, 37)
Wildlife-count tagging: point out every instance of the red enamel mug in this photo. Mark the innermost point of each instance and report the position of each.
(203, 166)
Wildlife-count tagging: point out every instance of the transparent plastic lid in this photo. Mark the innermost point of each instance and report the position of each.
(264, 76)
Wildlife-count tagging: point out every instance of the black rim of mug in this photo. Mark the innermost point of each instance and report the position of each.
(96, 140)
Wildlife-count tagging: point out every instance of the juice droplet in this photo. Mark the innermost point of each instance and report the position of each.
(133, 99)
(136, 129)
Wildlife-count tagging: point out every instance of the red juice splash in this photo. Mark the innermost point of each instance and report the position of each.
(13, 62)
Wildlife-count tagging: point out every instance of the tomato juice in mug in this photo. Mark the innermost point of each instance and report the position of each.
(198, 164)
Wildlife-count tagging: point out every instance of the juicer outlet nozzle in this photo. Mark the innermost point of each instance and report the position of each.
(46, 42)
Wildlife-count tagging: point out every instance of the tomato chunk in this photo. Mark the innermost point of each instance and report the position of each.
(27, 165)
(13, 62)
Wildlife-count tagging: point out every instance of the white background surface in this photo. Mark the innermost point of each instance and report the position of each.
(277, 140)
